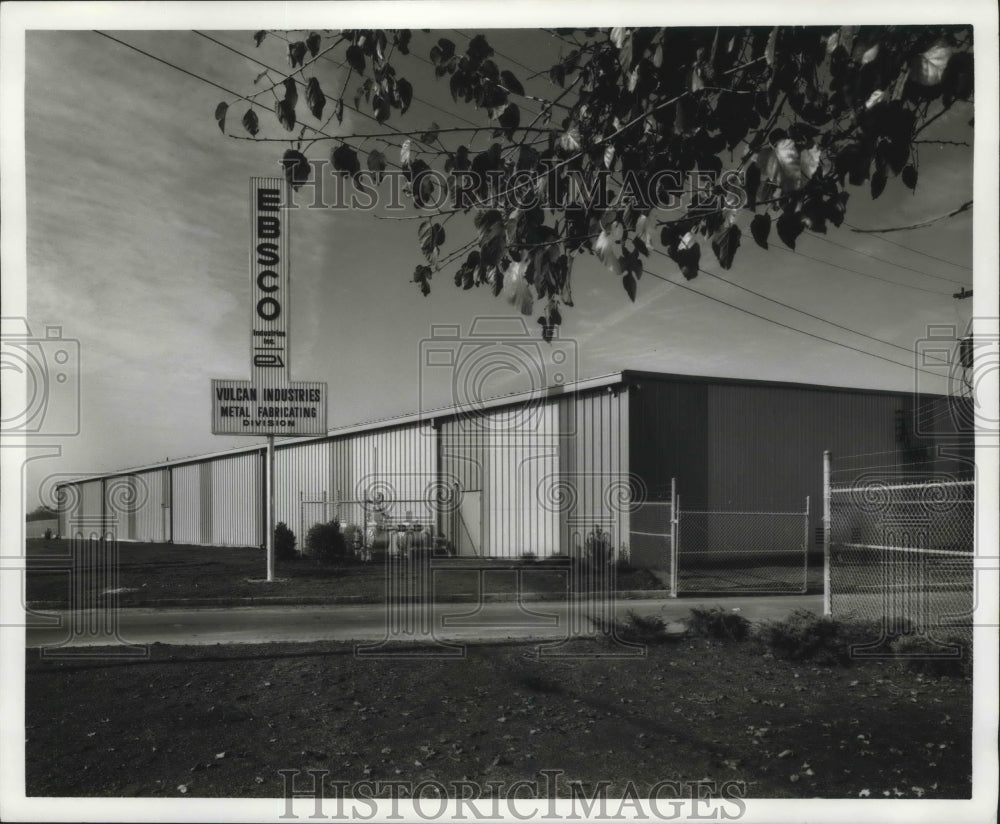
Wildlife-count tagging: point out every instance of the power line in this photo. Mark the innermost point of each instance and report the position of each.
(249, 100)
(800, 311)
(918, 251)
(786, 326)
(505, 56)
(862, 274)
(884, 260)
(963, 208)
(179, 68)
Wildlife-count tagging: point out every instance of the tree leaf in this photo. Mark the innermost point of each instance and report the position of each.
(315, 98)
(760, 228)
(406, 153)
(511, 83)
(878, 183)
(928, 68)
(376, 163)
(431, 239)
(286, 113)
(442, 52)
(381, 108)
(570, 139)
(510, 119)
(789, 227)
(296, 53)
(751, 182)
(909, 176)
(220, 116)
(259, 36)
(297, 168)
(312, 43)
(291, 90)
(251, 123)
(339, 111)
(422, 276)
(356, 58)
(405, 91)
(345, 160)
(431, 135)
(557, 74)
(629, 282)
(725, 243)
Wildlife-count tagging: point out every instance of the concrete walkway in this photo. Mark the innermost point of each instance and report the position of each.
(374, 623)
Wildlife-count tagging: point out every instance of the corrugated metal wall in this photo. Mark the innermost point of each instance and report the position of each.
(748, 447)
(236, 500)
(152, 514)
(539, 477)
(594, 466)
(186, 509)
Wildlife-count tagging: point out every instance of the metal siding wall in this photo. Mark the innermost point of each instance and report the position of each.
(123, 495)
(593, 468)
(91, 503)
(765, 451)
(766, 445)
(186, 511)
(523, 468)
(149, 517)
(667, 438)
(236, 500)
(301, 471)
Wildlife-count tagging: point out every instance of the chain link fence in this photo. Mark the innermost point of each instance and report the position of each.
(740, 552)
(900, 550)
(709, 551)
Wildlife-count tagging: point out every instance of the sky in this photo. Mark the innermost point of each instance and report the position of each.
(136, 245)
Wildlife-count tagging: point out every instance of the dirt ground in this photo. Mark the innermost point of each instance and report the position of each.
(222, 721)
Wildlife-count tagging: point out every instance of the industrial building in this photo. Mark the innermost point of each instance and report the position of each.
(537, 472)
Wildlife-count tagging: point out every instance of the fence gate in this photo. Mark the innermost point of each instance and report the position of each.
(740, 552)
(653, 538)
(899, 551)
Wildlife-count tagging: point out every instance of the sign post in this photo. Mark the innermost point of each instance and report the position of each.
(270, 403)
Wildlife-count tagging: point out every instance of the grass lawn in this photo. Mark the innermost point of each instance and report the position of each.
(154, 572)
(221, 721)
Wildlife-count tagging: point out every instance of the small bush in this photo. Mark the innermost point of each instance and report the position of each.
(325, 542)
(806, 636)
(951, 656)
(639, 629)
(284, 542)
(718, 623)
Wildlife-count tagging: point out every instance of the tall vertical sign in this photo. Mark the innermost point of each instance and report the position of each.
(270, 403)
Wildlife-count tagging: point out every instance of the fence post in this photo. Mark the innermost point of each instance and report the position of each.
(675, 503)
(805, 549)
(827, 498)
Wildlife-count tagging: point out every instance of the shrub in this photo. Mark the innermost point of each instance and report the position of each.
(718, 623)
(639, 629)
(918, 653)
(326, 542)
(803, 636)
(284, 542)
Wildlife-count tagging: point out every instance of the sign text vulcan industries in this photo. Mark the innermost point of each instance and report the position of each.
(270, 403)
